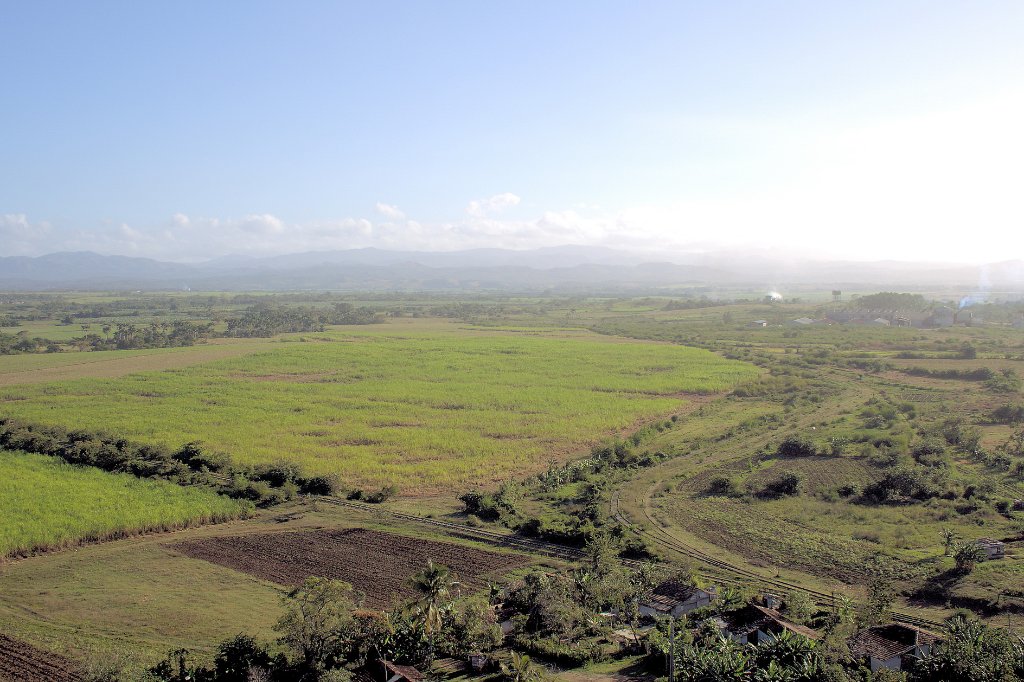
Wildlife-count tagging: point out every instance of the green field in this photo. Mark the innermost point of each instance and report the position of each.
(47, 504)
(423, 410)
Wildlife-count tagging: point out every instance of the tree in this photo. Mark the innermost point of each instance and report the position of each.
(948, 540)
(519, 668)
(881, 595)
(317, 623)
(966, 555)
(972, 652)
(435, 584)
(238, 658)
(473, 627)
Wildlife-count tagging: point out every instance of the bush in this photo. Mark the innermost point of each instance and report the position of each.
(568, 655)
(318, 485)
(796, 447)
(382, 495)
(789, 483)
(723, 486)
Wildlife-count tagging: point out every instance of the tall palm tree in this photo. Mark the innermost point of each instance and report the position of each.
(435, 583)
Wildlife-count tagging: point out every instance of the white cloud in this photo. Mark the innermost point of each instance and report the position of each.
(390, 211)
(478, 208)
(19, 236)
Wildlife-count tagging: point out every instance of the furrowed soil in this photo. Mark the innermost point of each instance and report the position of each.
(23, 662)
(378, 564)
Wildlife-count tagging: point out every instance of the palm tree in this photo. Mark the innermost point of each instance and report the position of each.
(520, 668)
(435, 584)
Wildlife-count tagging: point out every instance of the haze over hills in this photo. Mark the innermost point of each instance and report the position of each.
(566, 268)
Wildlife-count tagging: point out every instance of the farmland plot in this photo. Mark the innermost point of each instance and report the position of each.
(24, 663)
(423, 410)
(378, 564)
(48, 504)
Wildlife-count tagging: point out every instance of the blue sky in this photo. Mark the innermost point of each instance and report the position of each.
(187, 130)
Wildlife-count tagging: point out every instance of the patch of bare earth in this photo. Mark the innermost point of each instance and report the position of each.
(22, 662)
(378, 564)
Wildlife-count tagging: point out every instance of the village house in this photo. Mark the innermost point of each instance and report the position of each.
(994, 549)
(759, 323)
(801, 322)
(755, 624)
(892, 646)
(400, 673)
(675, 598)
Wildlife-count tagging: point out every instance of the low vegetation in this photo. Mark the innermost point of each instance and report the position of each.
(46, 504)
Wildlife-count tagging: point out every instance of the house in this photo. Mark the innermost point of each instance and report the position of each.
(759, 323)
(994, 549)
(892, 646)
(399, 673)
(754, 624)
(674, 598)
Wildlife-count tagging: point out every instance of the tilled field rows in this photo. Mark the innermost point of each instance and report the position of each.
(378, 564)
(22, 662)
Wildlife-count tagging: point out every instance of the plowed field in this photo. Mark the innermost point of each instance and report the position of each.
(23, 662)
(378, 564)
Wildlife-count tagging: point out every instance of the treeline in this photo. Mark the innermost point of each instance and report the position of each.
(191, 464)
(264, 320)
(115, 337)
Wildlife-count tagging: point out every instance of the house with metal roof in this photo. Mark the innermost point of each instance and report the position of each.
(893, 646)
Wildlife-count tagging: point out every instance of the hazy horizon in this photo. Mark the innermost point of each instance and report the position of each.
(881, 131)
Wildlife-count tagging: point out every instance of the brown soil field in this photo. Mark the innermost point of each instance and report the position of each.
(21, 662)
(378, 564)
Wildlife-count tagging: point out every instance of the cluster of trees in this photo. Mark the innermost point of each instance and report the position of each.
(189, 464)
(264, 320)
(581, 518)
(124, 336)
(14, 344)
(971, 652)
(326, 635)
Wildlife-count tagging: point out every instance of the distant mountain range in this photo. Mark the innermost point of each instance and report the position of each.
(566, 269)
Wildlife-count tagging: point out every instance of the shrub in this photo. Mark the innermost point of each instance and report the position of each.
(796, 447)
(318, 485)
(382, 495)
(568, 655)
(789, 483)
(723, 486)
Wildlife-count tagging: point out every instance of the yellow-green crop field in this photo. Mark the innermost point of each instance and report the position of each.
(46, 503)
(424, 409)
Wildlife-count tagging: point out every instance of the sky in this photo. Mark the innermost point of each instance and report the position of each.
(189, 130)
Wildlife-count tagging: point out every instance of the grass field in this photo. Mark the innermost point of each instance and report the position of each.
(47, 504)
(48, 367)
(144, 596)
(419, 409)
(822, 537)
